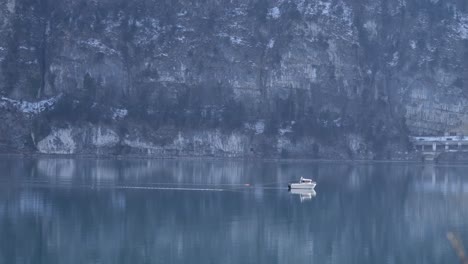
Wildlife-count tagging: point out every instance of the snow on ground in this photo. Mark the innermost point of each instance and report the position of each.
(29, 107)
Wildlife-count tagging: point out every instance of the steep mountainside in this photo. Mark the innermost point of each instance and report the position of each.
(264, 78)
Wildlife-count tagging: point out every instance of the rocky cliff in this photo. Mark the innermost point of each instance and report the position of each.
(264, 78)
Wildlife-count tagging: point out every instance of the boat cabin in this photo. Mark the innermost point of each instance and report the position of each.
(305, 180)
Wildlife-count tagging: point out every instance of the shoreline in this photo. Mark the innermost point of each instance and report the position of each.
(226, 159)
(207, 158)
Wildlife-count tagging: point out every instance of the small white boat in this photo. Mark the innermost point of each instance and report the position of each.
(303, 184)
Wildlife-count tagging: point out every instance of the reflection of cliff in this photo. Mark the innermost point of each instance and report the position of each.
(437, 201)
(206, 172)
(450, 180)
(362, 214)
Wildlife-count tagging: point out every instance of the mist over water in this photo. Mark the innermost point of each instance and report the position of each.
(203, 211)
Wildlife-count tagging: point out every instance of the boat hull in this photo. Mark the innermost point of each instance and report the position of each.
(304, 186)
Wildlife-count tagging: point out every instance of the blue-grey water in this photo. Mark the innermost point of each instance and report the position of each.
(56, 210)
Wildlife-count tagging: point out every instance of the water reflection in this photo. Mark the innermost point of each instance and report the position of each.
(76, 211)
(443, 179)
(304, 194)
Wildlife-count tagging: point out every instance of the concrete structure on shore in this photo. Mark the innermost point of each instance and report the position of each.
(431, 147)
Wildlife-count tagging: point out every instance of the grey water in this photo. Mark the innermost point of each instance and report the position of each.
(57, 210)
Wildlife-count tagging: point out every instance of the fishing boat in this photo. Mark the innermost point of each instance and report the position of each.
(303, 184)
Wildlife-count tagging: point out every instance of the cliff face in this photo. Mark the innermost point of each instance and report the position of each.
(270, 78)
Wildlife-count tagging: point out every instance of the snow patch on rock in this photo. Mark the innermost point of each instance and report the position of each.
(118, 113)
(232, 144)
(311, 72)
(371, 28)
(463, 27)
(318, 8)
(99, 46)
(271, 43)
(285, 130)
(180, 141)
(326, 8)
(239, 12)
(2, 50)
(11, 5)
(29, 107)
(282, 143)
(236, 40)
(149, 147)
(258, 127)
(395, 58)
(60, 141)
(356, 143)
(103, 137)
(274, 13)
(218, 144)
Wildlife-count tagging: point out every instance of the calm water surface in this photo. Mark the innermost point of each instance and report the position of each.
(186, 211)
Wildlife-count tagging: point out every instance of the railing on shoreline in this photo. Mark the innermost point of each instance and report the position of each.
(432, 146)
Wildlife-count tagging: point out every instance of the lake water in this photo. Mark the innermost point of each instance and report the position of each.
(202, 211)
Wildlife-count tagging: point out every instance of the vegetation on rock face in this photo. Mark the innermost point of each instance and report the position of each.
(326, 73)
